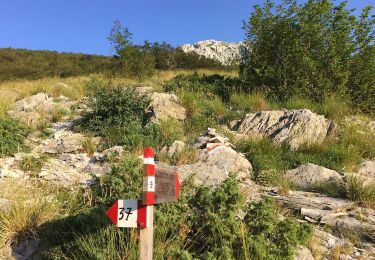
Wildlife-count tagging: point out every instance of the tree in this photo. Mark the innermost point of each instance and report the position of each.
(310, 50)
(134, 61)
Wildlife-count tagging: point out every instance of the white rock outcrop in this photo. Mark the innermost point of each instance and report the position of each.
(164, 106)
(309, 176)
(290, 127)
(226, 53)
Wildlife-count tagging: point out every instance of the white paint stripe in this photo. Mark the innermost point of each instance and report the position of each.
(149, 161)
(148, 183)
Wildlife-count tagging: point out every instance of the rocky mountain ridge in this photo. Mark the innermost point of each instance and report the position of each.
(226, 53)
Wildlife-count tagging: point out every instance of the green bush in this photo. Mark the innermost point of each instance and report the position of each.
(12, 136)
(273, 238)
(125, 178)
(311, 50)
(119, 115)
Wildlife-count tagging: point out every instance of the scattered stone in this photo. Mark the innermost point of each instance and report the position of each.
(214, 166)
(310, 176)
(70, 169)
(165, 106)
(223, 52)
(290, 127)
(210, 139)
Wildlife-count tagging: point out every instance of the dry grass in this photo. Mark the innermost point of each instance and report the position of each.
(32, 205)
(73, 87)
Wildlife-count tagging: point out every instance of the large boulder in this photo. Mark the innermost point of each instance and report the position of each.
(290, 127)
(39, 108)
(214, 166)
(164, 106)
(310, 176)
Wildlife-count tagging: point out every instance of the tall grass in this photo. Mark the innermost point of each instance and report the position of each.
(30, 207)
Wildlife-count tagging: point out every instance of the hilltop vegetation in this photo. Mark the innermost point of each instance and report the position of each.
(29, 64)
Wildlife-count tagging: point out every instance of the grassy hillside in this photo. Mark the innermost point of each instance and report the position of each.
(28, 64)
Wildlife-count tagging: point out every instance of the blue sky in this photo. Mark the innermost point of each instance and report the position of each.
(83, 25)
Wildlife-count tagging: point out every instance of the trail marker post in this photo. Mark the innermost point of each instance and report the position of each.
(160, 185)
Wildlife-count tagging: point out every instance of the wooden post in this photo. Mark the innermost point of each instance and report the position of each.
(146, 239)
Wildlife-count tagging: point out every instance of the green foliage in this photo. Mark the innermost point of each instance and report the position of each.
(119, 114)
(125, 179)
(12, 136)
(270, 237)
(311, 50)
(208, 85)
(215, 215)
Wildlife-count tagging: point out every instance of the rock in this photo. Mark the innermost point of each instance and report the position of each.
(366, 173)
(114, 152)
(38, 108)
(310, 176)
(40, 100)
(303, 253)
(68, 169)
(290, 127)
(176, 148)
(214, 166)
(26, 250)
(210, 139)
(166, 106)
(62, 142)
(223, 52)
(339, 214)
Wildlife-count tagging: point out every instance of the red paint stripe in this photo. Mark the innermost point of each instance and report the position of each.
(142, 215)
(148, 152)
(149, 170)
(177, 187)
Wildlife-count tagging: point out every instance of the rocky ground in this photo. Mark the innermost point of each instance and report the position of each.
(69, 163)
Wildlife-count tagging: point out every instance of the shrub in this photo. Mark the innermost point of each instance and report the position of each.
(271, 237)
(12, 136)
(311, 50)
(125, 178)
(134, 61)
(119, 115)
